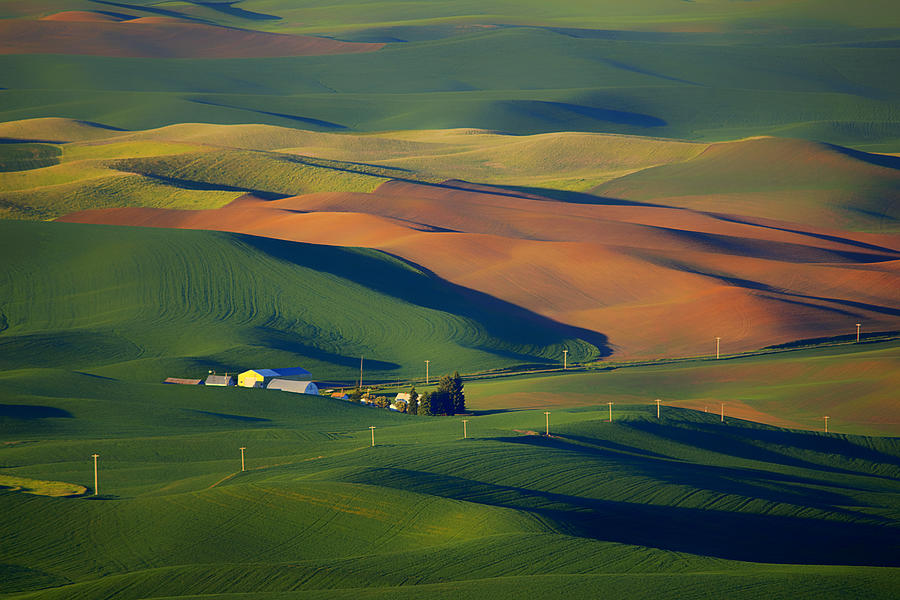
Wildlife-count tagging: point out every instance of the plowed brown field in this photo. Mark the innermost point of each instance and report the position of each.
(657, 280)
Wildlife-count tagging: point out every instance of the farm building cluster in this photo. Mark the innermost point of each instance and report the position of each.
(293, 379)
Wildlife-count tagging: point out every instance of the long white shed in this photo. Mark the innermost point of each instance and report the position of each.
(298, 387)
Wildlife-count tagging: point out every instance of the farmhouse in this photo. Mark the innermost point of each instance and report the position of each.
(399, 401)
(261, 377)
(220, 380)
(289, 385)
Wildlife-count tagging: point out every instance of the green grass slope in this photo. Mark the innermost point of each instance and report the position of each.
(21, 157)
(347, 15)
(195, 165)
(679, 507)
(724, 72)
(788, 180)
(853, 384)
(144, 304)
(45, 181)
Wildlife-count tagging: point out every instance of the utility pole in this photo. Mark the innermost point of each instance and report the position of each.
(360, 372)
(565, 359)
(427, 362)
(96, 486)
(242, 457)
(657, 407)
(723, 412)
(547, 416)
(610, 411)
(857, 332)
(372, 427)
(465, 432)
(826, 424)
(717, 347)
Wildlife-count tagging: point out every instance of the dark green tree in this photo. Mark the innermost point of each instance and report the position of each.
(456, 394)
(355, 395)
(413, 406)
(441, 401)
(425, 404)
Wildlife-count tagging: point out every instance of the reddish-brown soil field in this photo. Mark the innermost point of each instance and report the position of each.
(658, 281)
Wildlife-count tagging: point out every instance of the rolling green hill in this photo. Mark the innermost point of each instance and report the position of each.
(787, 180)
(685, 506)
(143, 304)
(589, 176)
(681, 507)
(708, 70)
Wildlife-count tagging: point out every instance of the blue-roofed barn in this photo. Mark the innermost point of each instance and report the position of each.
(261, 377)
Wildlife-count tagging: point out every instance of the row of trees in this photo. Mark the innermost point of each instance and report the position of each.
(448, 399)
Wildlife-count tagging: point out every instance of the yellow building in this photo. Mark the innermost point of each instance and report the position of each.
(259, 377)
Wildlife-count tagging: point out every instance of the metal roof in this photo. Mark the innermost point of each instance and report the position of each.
(183, 381)
(288, 372)
(220, 380)
(289, 385)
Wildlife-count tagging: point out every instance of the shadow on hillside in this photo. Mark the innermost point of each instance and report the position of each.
(231, 417)
(747, 444)
(288, 342)
(781, 295)
(162, 12)
(27, 411)
(589, 444)
(740, 482)
(573, 197)
(564, 111)
(773, 250)
(27, 141)
(818, 236)
(633, 69)
(865, 338)
(305, 120)
(886, 310)
(724, 534)
(881, 160)
(412, 283)
(495, 411)
(233, 11)
(191, 184)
